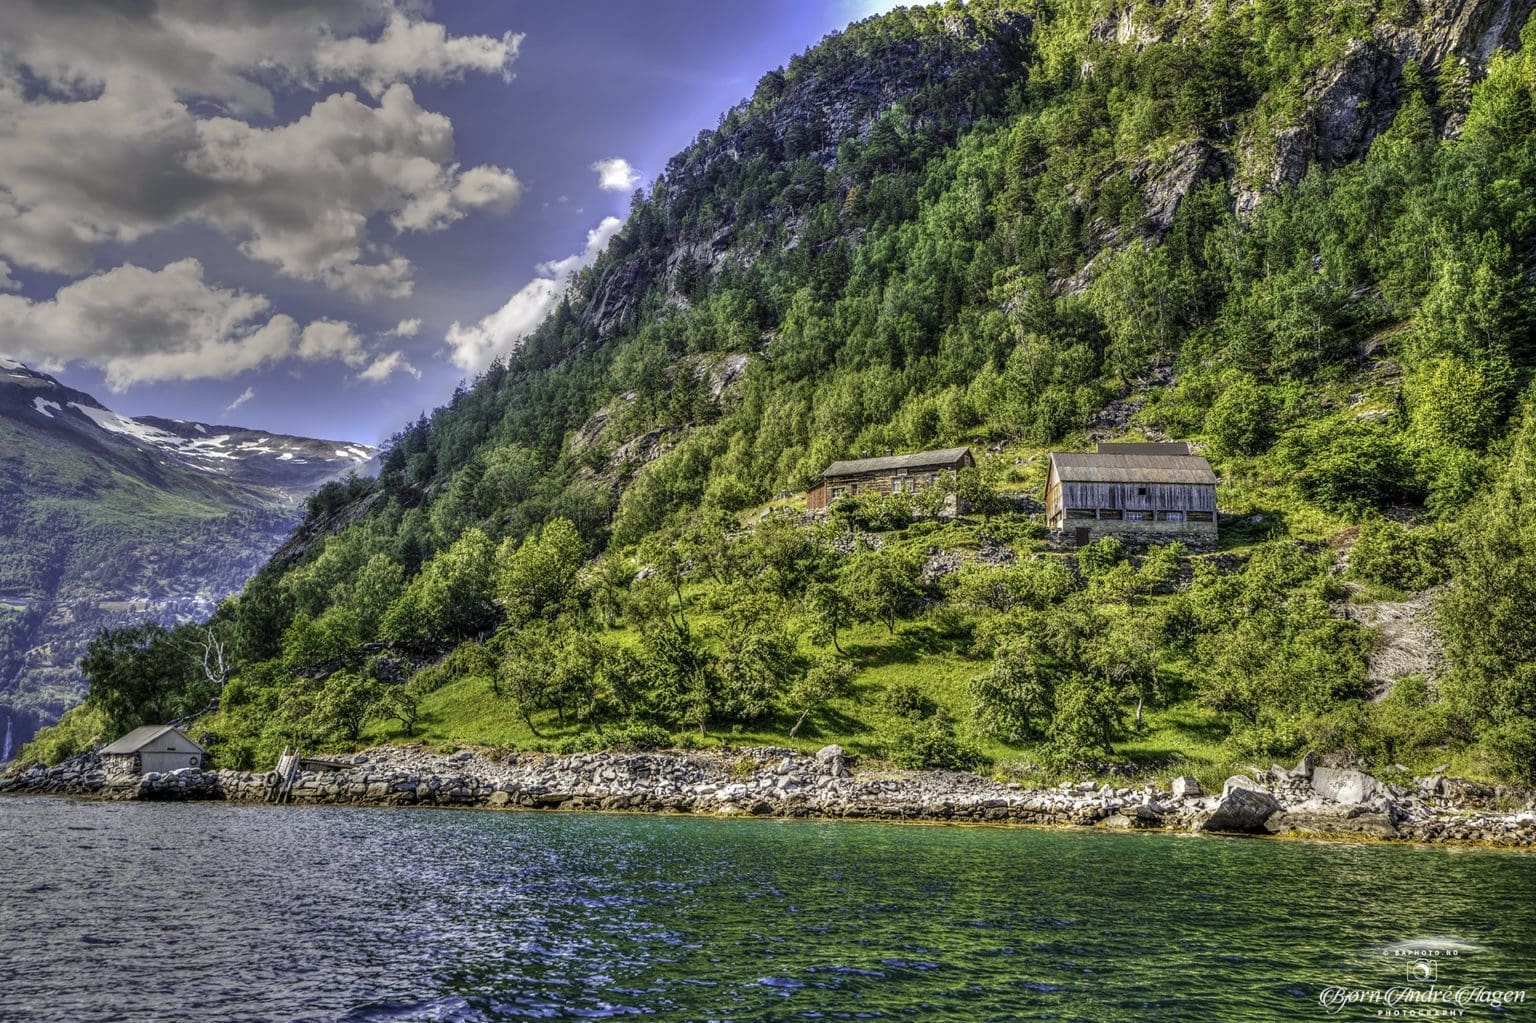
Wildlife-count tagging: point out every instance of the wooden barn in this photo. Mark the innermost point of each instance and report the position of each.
(1144, 492)
(892, 474)
(152, 749)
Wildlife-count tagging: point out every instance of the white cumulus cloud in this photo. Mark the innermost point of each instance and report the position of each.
(405, 328)
(139, 325)
(118, 120)
(409, 49)
(616, 175)
(476, 346)
(332, 339)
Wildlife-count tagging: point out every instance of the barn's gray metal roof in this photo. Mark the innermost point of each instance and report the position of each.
(1153, 447)
(921, 460)
(141, 737)
(1083, 467)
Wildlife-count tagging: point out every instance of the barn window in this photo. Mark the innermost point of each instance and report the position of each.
(1136, 516)
(1198, 516)
(1081, 513)
(1109, 513)
(1173, 516)
(1141, 491)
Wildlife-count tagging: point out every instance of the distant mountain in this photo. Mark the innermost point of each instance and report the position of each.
(107, 519)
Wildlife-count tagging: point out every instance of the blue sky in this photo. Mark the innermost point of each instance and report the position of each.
(317, 219)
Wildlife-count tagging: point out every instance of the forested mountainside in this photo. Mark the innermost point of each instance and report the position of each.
(106, 520)
(1297, 233)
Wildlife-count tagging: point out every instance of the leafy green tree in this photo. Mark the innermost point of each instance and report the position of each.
(538, 577)
(1083, 718)
(145, 674)
(827, 679)
(1241, 421)
(345, 703)
(831, 611)
(880, 583)
(1013, 701)
(449, 600)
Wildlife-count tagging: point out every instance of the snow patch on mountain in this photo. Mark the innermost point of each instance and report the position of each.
(43, 405)
(114, 423)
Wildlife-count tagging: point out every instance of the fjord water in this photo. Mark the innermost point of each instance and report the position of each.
(217, 912)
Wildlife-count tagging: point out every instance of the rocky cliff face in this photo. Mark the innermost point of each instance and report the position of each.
(1354, 99)
(799, 117)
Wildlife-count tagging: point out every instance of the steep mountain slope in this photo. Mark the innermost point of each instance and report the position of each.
(108, 519)
(1296, 234)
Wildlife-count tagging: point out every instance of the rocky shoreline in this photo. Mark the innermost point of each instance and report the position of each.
(1307, 800)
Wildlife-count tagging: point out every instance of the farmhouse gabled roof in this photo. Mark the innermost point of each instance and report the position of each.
(942, 459)
(141, 737)
(1133, 463)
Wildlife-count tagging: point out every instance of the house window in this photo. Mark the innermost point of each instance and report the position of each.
(838, 492)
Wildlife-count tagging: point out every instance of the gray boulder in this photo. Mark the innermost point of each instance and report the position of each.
(1305, 766)
(1241, 810)
(833, 761)
(1342, 786)
(1240, 781)
(1184, 786)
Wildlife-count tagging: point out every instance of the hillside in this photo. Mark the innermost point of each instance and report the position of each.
(1298, 236)
(108, 520)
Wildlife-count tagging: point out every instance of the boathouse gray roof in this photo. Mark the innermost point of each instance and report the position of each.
(141, 737)
(942, 459)
(1134, 463)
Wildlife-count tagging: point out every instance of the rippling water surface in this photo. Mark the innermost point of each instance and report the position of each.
(215, 912)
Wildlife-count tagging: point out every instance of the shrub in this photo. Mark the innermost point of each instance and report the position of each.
(1388, 554)
(1241, 421)
(636, 737)
(1511, 749)
(928, 744)
(1101, 556)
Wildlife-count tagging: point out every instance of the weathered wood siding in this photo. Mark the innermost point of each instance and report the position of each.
(1130, 496)
(884, 481)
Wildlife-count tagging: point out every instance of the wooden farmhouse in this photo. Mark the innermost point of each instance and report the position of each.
(152, 749)
(1149, 493)
(893, 474)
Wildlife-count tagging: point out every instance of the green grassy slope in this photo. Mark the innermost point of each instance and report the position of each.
(1019, 226)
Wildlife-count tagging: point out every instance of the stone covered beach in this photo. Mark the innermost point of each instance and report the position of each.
(1306, 800)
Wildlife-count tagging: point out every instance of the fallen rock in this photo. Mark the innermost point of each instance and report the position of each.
(1342, 786)
(832, 761)
(1240, 781)
(1243, 810)
(1184, 786)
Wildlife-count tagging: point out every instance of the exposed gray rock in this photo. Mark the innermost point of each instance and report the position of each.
(1240, 781)
(1243, 810)
(831, 760)
(1344, 786)
(1184, 787)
